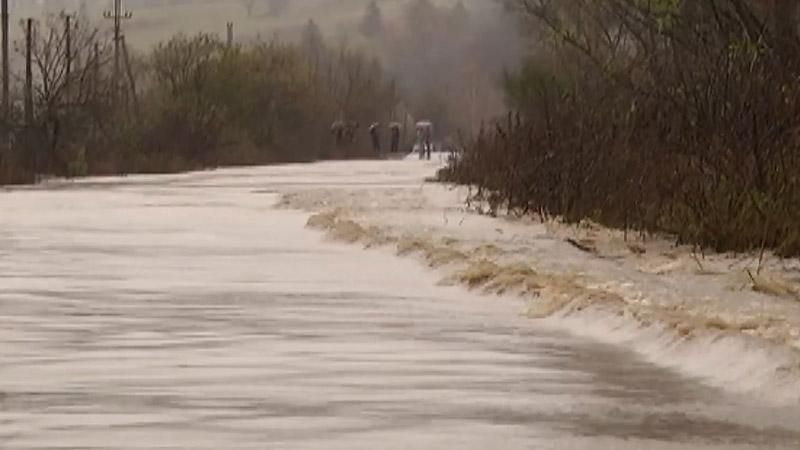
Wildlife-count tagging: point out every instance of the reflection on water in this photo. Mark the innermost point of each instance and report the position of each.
(213, 322)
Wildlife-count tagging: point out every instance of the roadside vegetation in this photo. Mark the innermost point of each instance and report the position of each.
(661, 116)
(189, 103)
(196, 101)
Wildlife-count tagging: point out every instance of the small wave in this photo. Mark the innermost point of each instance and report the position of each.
(742, 354)
(732, 361)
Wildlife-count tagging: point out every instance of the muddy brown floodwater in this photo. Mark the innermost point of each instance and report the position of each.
(184, 312)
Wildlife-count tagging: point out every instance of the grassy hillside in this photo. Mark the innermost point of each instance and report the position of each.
(152, 23)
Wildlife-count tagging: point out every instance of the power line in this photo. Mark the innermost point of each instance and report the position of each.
(117, 15)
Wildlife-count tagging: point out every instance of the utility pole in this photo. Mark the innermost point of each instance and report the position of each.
(95, 62)
(117, 15)
(6, 75)
(29, 72)
(131, 78)
(230, 34)
(96, 67)
(68, 53)
(473, 94)
(29, 94)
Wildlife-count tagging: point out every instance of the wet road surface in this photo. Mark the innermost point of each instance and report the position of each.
(185, 313)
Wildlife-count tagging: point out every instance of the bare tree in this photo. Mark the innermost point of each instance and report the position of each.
(67, 97)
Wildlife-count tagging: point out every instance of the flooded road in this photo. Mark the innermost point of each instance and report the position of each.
(184, 312)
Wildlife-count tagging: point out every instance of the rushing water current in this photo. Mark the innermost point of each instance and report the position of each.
(185, 312)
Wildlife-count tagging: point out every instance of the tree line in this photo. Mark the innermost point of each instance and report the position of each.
(191, 102)
(662, 116)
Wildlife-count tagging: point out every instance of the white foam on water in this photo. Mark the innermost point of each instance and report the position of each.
(734, 362)
(192, 289)
(678, 316)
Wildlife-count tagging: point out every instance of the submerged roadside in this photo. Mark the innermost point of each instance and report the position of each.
(711, 316)
(183, 311)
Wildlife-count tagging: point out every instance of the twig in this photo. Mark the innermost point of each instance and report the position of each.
(763, 248)
(752, 278)
(579, 246)
(697, 260)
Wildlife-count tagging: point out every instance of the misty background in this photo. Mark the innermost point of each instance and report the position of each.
(447, 56)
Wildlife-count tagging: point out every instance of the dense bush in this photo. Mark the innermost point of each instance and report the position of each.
(661, 116)
(192, 102)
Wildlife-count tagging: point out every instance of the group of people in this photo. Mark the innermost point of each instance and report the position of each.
(394, 136)
(424, 139)
(344, 133)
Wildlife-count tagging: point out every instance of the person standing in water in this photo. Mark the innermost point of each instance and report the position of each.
(394, 133)
(338, 130)
(424, 135)
(374, 133)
